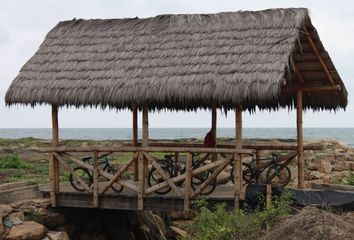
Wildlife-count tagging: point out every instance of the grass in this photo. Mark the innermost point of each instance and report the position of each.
(13, 169)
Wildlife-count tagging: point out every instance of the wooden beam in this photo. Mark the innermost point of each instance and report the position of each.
(120, 172)
(54, 164)
(95, 180)
(135, 138)
(238, 158)
(141, 191)
(144, 149)
(312, 89)
(296, 70)
(301, 162)
(145, 140)
(188, 183)
(313, 46)
(213, 127)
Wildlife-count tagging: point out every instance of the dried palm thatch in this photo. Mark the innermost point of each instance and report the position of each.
(180, 62)
(313, 223)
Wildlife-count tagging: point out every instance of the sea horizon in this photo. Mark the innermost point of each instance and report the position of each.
(340, 134)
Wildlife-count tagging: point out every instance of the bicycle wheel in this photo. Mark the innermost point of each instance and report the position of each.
(247, 174)
(199, 179)
(278, 177)
(115, 186)
(155, 178)
(85, 176)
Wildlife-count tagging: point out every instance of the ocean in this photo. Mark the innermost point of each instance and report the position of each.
(341, 134)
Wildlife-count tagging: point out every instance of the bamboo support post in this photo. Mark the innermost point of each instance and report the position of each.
(301, 162)
(135, 138)
(214, 128)
(95, 180)
(145, 140)
(188, 182)
(238, 158)
(141, 172)
(258, 156)
(54, 164)
(269, 195)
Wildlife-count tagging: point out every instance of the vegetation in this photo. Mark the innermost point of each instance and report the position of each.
(13, 169)
(349, 180)
(221, 224)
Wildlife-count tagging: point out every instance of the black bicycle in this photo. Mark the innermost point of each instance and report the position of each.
(87, 176)
(278, 172)
(174, 168)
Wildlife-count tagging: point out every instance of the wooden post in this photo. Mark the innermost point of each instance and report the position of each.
(135, 138)
(141, 191)
(145, 140)
(258, 156)
(188, 182)
(214, 156)
(53, 162)
(95, 180)
(300, 146)
(238, 158)
(269, 195)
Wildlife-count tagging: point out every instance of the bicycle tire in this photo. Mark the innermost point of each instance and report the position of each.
(247, 174)
(155, 178)
(198, 180)
(285, 173)
(115, 186)
(85, 175)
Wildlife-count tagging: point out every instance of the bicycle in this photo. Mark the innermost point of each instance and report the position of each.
(87, 176)
(174, 168)
(278, 172)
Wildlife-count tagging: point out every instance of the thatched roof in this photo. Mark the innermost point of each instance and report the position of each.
(180, 62)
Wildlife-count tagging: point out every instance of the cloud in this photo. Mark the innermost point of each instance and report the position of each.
(4, 37)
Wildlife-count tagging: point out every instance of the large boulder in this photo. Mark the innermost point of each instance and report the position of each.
(32, 205)
(14, 218)
(325, 167)
(28, 230)
(4, 211)
(51, 235)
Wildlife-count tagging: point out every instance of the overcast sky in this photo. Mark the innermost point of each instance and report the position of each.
(24, 24)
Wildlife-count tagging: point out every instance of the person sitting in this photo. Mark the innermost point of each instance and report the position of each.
(209, 140)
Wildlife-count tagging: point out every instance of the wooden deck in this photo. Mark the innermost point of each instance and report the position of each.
(128, 200)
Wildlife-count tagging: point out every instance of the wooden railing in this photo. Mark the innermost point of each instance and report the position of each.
(143, 156)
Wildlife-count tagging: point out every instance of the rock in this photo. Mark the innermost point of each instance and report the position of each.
(341, 166)
(351, 166)
(29, 206)
(349, 157)
(314, 175)
(324, 167)
(328, 157)
(312, 166)
(177, 215)
(327, 179)
(5, 210)
(28, 230)
(14, 218)
(178, 231)
(340, 157)
(53, 220)
(56, 236)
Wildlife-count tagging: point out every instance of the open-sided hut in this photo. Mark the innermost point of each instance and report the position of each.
(238, 61)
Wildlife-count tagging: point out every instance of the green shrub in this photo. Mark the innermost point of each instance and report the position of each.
(13, 161)
(221, 224)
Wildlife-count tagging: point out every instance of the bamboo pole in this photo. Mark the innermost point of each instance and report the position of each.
(188, 183)
(213, 128)
(95, 180)
(141, 191)
(145, 141)
(238, 158)
(301, 162)
(135, 138)
(54, 164)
